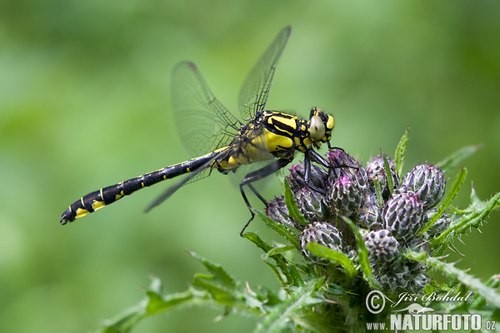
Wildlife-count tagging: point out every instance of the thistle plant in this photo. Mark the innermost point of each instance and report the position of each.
(351, 229)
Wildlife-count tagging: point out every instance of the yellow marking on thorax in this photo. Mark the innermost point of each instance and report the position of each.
(291, 122)
(273, 142)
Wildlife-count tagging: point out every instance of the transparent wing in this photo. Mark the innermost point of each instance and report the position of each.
(203, 123)
(255, 90)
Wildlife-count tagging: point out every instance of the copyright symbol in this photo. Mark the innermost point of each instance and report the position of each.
(375, 301)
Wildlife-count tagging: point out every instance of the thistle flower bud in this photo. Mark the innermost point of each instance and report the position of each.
(428, 182)
(375, 171)
(322, 233)
(347, 183)
(382, 247)
(402, 275)
(370, 215)
(342, 164)
(403, 215)
(277, 210)
(311, 204)
(338, 157)
(345, 196)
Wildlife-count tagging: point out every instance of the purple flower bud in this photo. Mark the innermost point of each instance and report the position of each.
(277, 210)
(403, 215)
(376, 172)
(428, 182)
(311, 204)
(370, 214)
(322, 233)
(347, 183)
(382, 246)
(407, 276)
(345, 196)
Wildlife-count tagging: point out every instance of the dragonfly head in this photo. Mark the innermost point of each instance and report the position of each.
(320, 126)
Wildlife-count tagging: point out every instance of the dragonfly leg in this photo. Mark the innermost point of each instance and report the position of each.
(309, 156)
(253, 177)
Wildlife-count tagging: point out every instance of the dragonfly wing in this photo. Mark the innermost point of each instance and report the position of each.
(255, 90)
(203, 123)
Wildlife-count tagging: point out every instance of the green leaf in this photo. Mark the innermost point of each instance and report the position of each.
(362, 254)
(378, 192)
(254, 238)
(219, 274)
(445, 203)
(457, 157)
(279, 250)
(399, 154)
(291, 204)
(388, 174)
(218, 283)
(280, 229)
(473, 216)
(451, 272)
(334, 256)
(153, 304)
(282, 267)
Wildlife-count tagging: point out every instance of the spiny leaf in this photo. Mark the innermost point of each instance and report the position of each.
(219, 274)
(282, 267)
(454, 159)
(283, 315)
(489, 294)
(153, 304)
(399, 154)
(291, 204)
(477, 213)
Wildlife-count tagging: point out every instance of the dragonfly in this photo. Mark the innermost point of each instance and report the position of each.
(221, 141)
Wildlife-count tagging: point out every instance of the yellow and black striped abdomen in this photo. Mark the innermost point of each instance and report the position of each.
(107, 195)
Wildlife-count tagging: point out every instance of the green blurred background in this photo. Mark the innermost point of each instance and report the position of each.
(84, 103)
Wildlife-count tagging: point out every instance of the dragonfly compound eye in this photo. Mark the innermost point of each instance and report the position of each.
(316, 128)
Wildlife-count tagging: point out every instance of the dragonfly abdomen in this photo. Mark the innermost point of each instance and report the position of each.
(107, 195)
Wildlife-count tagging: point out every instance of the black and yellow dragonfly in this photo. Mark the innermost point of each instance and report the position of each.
(207, 126)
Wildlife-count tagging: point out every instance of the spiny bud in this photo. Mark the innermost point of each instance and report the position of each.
(402, 275)
(375, 171)
(382, 247)
(277, 210)
(345, 196)
(370, 215)
(322, 233)
(342, 164)
(428, 182)
(403, 215)
(347, 183)
(311, 204)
